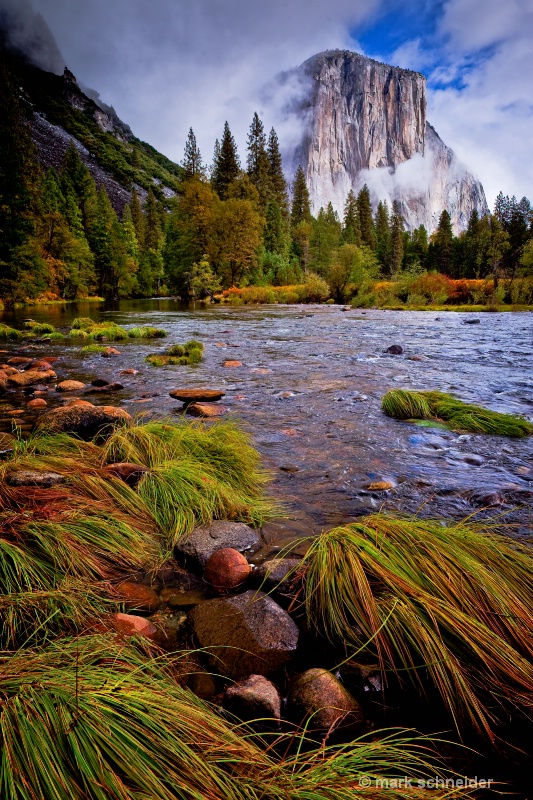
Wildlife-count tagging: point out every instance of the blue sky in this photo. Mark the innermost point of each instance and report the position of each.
(169, 64)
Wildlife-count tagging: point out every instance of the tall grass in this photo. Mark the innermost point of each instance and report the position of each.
(407, 404)
(451, 604)
(178, 355)
(146, 332)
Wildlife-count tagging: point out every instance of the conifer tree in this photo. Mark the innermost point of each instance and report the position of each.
(301, 206)
(227, 166)
(382, 229)
(192, 159)
(278, 184)
(396, 239)
(137, 217)
(214, 164)
(442, 245)
(351, 232)
(152, 232)
(258, 165)
(366, 223)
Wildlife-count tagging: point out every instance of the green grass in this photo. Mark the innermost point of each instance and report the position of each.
(446, 605)
(39, 328)
(78, 333)
(56, 335)
(406, 404)
(6, 332)
(147, 332)
(178, 355)
(94, 348)
(85, 327)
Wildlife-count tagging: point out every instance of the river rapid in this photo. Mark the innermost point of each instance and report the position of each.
(309, 391)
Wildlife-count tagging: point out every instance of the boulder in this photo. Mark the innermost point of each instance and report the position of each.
(3, 381)
(132, 625)
(37, 403)
(138, 596)
(42, 364)
(99, 382)
(197, 395)
(19, 361)
(317, 694)
(30, 377)
(226, 569)
(205, 539)
(33, 477)
(129, 473)
(107, 387)
(110, 351)
(129, 371)
(206, 410)
(255, 697)
(7, 443)
(70, 386)
(280, 573)
(83, 419)
(230, 363)
(394, 350)
(471, 321)
(247, 634)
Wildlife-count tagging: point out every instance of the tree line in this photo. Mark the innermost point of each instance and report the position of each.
(228, 225)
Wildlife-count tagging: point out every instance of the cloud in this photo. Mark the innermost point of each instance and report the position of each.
(28, 33)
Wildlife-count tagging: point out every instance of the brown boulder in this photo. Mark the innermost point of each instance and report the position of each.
(279, 573)
(19, 361)
(379, 486)
(248, 634)
(226, 569)
(204, 540)
(110, 351)
(129, 473)
(254, 697)
(206, 410)
(197, 395)
(138, 596)
(132, 625)
(318, 695)
(108, 387)
(22, 379)
(37, 403)
(230, 363)
(70, 386)
(129, 371)
(83, 419)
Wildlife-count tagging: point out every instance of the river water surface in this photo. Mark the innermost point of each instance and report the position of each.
(309, 391)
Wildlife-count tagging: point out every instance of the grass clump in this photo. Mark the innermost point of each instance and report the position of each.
(147, 332)
(178, 355)
(39, 328)
(407, 404)
(78, 333)
(84, 327)
(6, 332)
(94, 348)
(449, 606)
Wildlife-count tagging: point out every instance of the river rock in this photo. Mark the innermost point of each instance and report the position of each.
(9, 370)
(129, 473)
(38, 402)
(129, 371)
(226, 569)
(206, 410)
(70, 386)
(280, 573)
(205, 539)
(197, 395)
(138, 596)
(255, 697)
(3, 381)
(471, 321)
(230, 363)
(317, 694)
(7, 443)
(99, 382)
(394, 350)
(379, 486)
(110, 351)
(42, 364)
(31, 376)
(248, 634)
(107, 387)
(32, 477)
(19, 361)
(132, 625)
(83, 419)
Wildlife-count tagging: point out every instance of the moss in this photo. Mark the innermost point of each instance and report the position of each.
(178, 355)
(6, 332)
(147, 333)
(94, 348)
(39, 328)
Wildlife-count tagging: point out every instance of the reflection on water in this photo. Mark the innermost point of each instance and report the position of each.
(310, 389)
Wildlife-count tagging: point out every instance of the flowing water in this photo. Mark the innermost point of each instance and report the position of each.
(309, 390)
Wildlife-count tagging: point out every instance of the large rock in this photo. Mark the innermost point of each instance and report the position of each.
(129, 473)
(254, 697)
(204, 540)
(138, 596)
(317, 695)
(197, 395)
(30, 377)
(83, 419)
(226, 569)
(206, 410)
(246, 634)
(70, 386)
(132, 625)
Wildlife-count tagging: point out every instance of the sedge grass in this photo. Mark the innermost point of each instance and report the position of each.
(94, 348)
(178, 355)
(407, 404)
(6, 332)
(453, 603)
(146, 332)
(38, 328)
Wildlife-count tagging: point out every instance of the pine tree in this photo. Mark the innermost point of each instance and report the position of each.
(396, 239)
(276, 235)
(278, 184)
(366, 223)
(137, 217)
(351, 232)
(258, 165)
(152, 231)
(382, 227)
(301, 206)
(442, 245)
(227, 166)
(192, 159)
(216, 158)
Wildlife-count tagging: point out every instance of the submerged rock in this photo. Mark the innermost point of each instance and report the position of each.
(206, 410)
(205, 539)
(83, 419)
(254, 697)
(230, 363)
(70, 386)
(226, 569)
(138, 596)
(132, 625)
(394, 350)
(317, 694)
(246, 634)
(38, 402)
(280, 573)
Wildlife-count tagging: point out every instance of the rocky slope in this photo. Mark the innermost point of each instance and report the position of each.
(365, 122)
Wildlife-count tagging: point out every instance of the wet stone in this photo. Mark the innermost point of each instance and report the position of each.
(280, 573)
(137, 596)
(394, 350)
(197, 395)
(83, 419)
(254, 697)
(7, 443)
(206, 410)
(319, 695)
(132, 625)
(205, 539)
(70, 386)
(226, 569)
(30, 377)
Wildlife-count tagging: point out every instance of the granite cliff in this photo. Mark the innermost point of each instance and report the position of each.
(365, 122)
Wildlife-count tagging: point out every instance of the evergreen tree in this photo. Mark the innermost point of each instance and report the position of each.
(396, 239)
(441, 249)
(382, 229)
(152, 231)
(137, 217)
(192, 159)
(278, 184)
(214, 164)
(258, 165)
(416, 249)
(301, 206)
(366, 223)
(276, 236)
(227, 166)
(325, 239)
(76, 179)
(351, 232)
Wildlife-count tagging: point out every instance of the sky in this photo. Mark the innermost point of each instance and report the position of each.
(167, 65)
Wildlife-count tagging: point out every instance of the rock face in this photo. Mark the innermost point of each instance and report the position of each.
(247, 634)
(365, 122)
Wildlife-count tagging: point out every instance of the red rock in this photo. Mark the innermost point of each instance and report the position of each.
(379, 486)
(206, 410)
(131, 625)
(230, 363)
(289, 431)
(197, 395)
(37, 403)
(22, 379)
(110, 351)
(16, 412)
(226, 569)
(129, 371)
(41, 364)
(70, 386)
(19, 361)
(138, 596)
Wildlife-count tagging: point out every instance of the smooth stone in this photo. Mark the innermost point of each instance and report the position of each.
(129, 473)
(129, 371)
(7, 443)
(32, 477)
(197, 395)
(19, 361)
(248, 634)
(206, 410)
(205, 539)
(319, 696)
(110, 351)
(108, 387)
(138, 596)
(230, 363)
(42, 364)
(99, 382)
(83, 419)
(70, 386)
(471, 321)
(22, 379)
(394, 349)
(280, 573)
(379, 486)
(255, 697)
(132, 625)
(38, 402)
(226, 569)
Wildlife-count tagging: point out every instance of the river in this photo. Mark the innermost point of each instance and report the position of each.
(309, 391)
